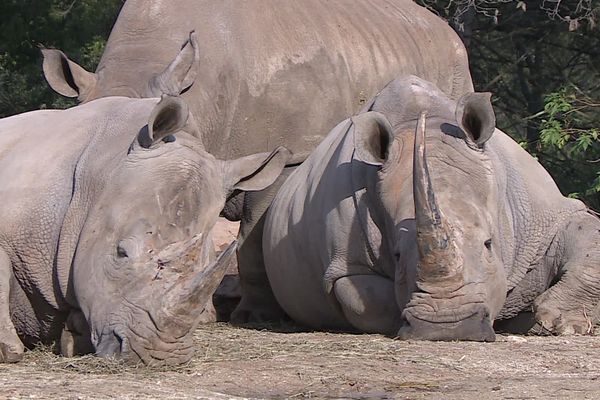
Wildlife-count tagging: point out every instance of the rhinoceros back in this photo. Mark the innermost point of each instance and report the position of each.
(38, 153)
(278, 72)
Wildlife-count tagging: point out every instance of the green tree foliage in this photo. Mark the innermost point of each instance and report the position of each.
(79, 27)
(569, 139)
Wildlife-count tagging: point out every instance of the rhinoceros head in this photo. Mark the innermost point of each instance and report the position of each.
(70, 79)
(143, 266)
(438, 191)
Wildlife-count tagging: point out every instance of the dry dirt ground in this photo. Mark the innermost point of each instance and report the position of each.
(236, 362)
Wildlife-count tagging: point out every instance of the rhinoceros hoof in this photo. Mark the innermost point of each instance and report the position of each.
(242, 315)
(11, 352)
(552, 320)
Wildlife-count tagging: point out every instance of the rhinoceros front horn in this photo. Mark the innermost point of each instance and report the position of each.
(437, 257)
(183, 303)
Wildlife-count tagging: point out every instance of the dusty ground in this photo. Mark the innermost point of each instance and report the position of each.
(235, 362)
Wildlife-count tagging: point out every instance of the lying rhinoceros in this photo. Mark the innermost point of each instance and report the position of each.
(429, 226)
(107, 211)
(268, 73)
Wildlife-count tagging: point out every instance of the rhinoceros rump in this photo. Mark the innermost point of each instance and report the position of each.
(108, 209)
(429, 226)
(268, 73)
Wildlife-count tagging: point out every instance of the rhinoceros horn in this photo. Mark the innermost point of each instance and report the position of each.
(437, 256)
(183, 303)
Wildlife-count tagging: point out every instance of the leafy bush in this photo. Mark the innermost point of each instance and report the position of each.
(78, 27)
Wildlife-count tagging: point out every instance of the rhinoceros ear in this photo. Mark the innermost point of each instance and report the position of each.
(475, 116)
(255, 172)
(373, 135)
(169, 116)
(66, 77)
(181, 73)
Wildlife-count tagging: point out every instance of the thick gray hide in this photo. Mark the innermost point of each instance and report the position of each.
(341, 249)
(267, 73)
(107, 214)
(274, 72)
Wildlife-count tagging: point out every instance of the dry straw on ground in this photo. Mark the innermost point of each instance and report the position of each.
(283, 362)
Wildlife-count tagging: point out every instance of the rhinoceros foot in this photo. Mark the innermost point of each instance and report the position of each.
(247, 313)
(552, 319)
(11, 349)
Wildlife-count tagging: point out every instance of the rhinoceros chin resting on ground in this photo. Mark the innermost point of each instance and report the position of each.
(430, 226)
(105, 241)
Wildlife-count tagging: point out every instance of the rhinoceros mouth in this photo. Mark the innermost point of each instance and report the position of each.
(136, 348)
(426, 313)
(456, 315)
(437, 304)
(471, 323)
(138, 338)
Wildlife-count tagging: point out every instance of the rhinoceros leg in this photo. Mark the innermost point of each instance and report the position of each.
(569, 307)
(369, 303)
(572, 305)
(258, 303)
(11, 347)
(75, 338)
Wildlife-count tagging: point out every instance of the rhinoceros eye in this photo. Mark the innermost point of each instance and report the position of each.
(129, 248)
(488, 244)
(121, 252)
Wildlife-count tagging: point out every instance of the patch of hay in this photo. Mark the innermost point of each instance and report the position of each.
(221, 342)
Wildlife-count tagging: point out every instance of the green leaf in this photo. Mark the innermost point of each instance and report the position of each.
(584, 142)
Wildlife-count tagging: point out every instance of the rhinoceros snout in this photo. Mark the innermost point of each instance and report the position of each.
(477, 328)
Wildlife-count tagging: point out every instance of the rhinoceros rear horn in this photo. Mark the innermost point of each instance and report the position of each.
(475, 116)
(66, 77)
(182, 302)
(434, 238)
(180, 75)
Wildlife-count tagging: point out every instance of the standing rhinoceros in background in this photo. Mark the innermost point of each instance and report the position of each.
(268, 73)
(107, 212)
(429, 226)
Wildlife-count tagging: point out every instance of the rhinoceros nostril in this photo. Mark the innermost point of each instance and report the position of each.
(486, 314)
(488, 244)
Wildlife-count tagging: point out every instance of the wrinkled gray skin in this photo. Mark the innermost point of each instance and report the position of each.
(107, 212)
(268, 73)
(263, 66)
(491, 237)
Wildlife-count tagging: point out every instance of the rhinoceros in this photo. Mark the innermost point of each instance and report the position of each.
(419, 219)
(107, 212)
(268, 73)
